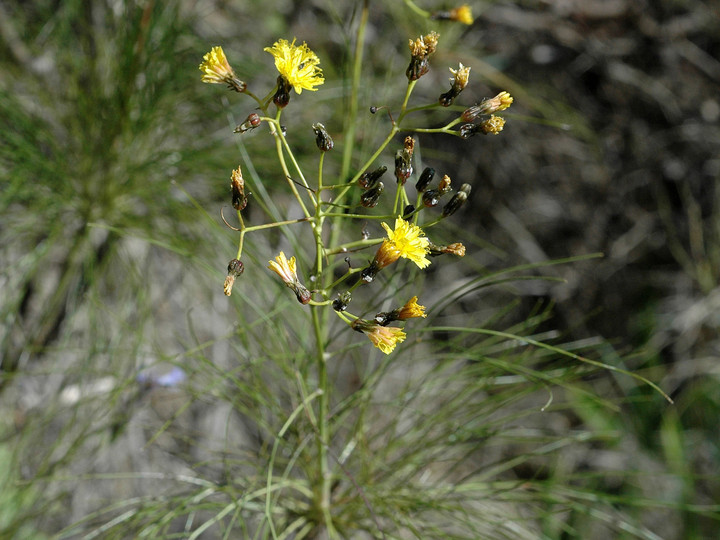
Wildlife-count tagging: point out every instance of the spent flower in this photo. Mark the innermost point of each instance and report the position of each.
(420, 49)
(410, 310)
(217, 70)
(459, 81)
(384, 338)
(287, 271)
(488, 106)
(235, 269)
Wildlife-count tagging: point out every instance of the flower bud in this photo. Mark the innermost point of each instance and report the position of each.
(403, 161)
(425, 179)
(369, 179)
(282, 95)
(322, 138)
(457, 200)
(251, 122)
(408, 211)
(342, 301)
(370, 198)
(431, 198)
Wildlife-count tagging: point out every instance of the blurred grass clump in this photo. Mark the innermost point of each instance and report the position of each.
(114, 163)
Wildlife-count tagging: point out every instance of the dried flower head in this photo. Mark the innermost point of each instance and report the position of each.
(384, 338)
(459, 81)
(420, 49)
(297, 64)
(217, 70)
(237, 184)
(235, 269)
(456, 249)
(493, 125)
(488, 106)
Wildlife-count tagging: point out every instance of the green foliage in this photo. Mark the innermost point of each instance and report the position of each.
(484, 423)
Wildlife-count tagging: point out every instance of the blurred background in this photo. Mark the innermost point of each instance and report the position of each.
(115, 161)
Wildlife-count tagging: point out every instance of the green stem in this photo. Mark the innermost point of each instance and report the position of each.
(351, 120)
(323, 425)
(416, 9)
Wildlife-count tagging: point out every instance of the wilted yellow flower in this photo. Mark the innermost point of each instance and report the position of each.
(488, 106)
(462, 14)
(460, 77)
(235, 269)
(217, 70)
(287, 271)
(493, 125)
(454, 249)
(384, 338)
(410, 310)
(408, 242)
(284, 268)
(297, 64)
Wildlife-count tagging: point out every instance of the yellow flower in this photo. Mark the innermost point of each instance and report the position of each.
(493, 125)
(407, 241)
(410, 310)
(284, 268)
(384, 338)
(288, 273)
(460, 77)
(297, 64)
(462, 14)
(217, 70)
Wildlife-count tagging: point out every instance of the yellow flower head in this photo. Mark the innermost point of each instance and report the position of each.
(493, 125)
(384, 338)
(462, 14)
(410, 310)
(288, 273)
(217, 70)
(460, 77)
(407, 241)
(297, 64)
(284, 268)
